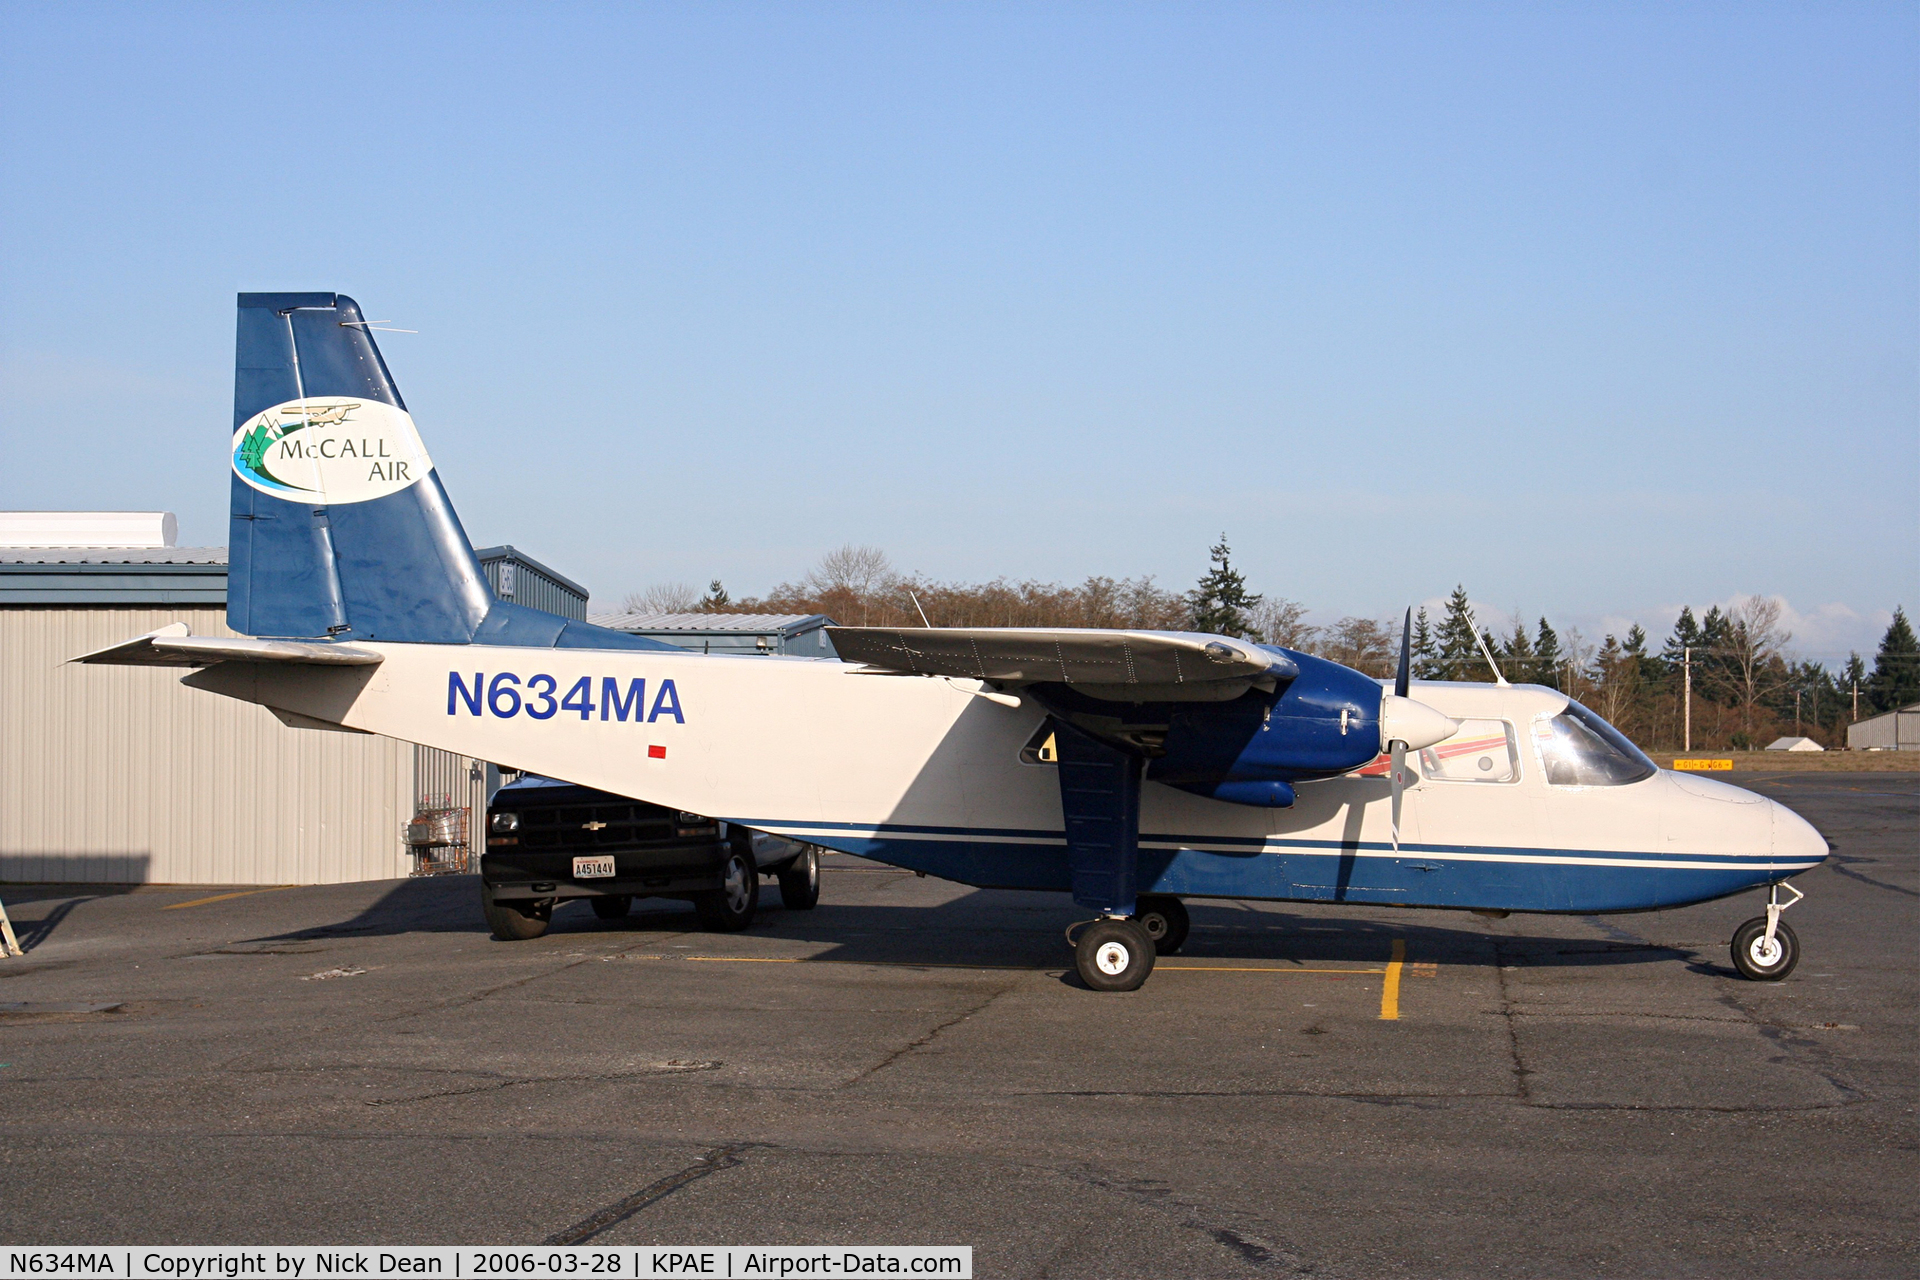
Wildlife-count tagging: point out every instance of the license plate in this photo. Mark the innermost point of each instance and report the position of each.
(592, 868)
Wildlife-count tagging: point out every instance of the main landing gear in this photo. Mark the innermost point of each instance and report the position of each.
(1113, 955)
(1165, 920)
(1765, 948)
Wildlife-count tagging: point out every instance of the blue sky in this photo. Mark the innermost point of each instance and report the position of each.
(1596, 309)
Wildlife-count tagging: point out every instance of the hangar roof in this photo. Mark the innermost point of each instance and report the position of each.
(113, 575)
(757, 623)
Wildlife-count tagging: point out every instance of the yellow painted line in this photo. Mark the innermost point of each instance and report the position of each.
(910, 964)
(742, 959)
(1227, 968)
(1390, 989)
(222, 897)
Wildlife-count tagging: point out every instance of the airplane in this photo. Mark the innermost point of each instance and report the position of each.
(1131, 769)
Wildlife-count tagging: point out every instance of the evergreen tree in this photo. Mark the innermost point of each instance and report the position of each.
(1516, 654)
(1853, 677)
(1895, 681)
(1547, 658)
(717, 600)
(1686, 635)
(1712, 673)
(1459, 657)
(1424, 654)
(1221, 602)
(1490, 645)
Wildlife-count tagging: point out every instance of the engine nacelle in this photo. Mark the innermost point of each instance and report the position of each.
(1322, 723)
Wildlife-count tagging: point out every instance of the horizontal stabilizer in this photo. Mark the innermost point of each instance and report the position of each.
(171, 646)
(1152, 665)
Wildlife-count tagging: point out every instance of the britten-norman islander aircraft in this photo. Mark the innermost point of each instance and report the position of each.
(1129, 768)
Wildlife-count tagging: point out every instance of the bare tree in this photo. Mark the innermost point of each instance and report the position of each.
(1754, 658)
(663, 597)
(1283, 622)
(1365, 644)
(859, 571)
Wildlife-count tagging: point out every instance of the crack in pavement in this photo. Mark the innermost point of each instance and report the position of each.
(714, 1160)
(1520, 1072)
(924, 1040)
(1229, 1229)
(670, 1068)
(1835, 860)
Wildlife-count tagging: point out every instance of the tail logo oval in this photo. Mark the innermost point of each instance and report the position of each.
(330, 449)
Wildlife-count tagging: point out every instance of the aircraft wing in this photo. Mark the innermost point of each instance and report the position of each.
(171, 646)
(1155, 665)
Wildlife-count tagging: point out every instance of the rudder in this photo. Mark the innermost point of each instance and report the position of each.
(340, 527)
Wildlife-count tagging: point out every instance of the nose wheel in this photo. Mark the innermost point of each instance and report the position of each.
(1113, 955)
(1765, 948)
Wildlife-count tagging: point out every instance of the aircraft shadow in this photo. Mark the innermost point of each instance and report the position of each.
(988, 928)
(33, 930)
(998, 928)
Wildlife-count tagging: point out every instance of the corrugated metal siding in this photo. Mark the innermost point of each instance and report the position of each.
(121, 774)
(514, 578)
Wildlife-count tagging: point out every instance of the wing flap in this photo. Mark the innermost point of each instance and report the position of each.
(1164, 660)
(171, 646)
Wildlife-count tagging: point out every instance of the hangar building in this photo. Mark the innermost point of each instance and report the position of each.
(1897, 730)
(796, 635)
(121, 775)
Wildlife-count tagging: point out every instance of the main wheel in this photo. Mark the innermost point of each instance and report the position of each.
(800, 881)
(730, 908)
(1165, 920)
(1113, 955)
(516, 919)
(612, 906)
(1757, 960)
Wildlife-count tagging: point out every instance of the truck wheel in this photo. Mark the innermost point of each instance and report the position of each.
(612, 906)
(515, 920)
(800, 881)
(730, 908)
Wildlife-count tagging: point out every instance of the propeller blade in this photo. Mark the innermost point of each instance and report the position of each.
(1404, 674)
(1399, 784)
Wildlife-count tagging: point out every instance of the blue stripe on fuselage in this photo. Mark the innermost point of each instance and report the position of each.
(1272, 869)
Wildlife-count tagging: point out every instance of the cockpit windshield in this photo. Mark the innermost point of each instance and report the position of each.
(1580, 749)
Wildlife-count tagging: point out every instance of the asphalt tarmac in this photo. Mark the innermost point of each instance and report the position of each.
(914, 1062)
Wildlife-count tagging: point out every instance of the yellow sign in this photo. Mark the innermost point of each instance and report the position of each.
(1702, 766)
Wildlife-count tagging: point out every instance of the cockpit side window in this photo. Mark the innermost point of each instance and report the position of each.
(1579, 749)
(1482, 751)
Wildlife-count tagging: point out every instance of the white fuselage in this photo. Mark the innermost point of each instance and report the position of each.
(923, 772)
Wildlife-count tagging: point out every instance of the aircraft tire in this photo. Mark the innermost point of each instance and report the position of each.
(800, 881)
(1164, 917)
(730, 908)
(517, 920)
(613, 906)
(1113, 955)
(1751, 958)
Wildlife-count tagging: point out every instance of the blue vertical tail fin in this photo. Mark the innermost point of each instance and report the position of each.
(340, 527)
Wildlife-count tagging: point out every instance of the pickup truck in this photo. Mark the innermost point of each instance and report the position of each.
(549, 841)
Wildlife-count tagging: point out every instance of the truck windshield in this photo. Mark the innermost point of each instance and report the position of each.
(1580, 749)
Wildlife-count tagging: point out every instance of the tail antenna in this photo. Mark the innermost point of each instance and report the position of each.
(919, 610)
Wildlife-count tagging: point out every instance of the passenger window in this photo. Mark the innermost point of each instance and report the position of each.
(1579, 749)
(1482, 751)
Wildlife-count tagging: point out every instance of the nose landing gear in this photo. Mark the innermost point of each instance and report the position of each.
(1765, 948)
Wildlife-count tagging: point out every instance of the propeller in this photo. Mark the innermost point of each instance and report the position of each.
(1397, 749)
(1406, 725)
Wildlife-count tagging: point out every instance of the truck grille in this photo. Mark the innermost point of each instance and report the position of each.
(594, 824)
